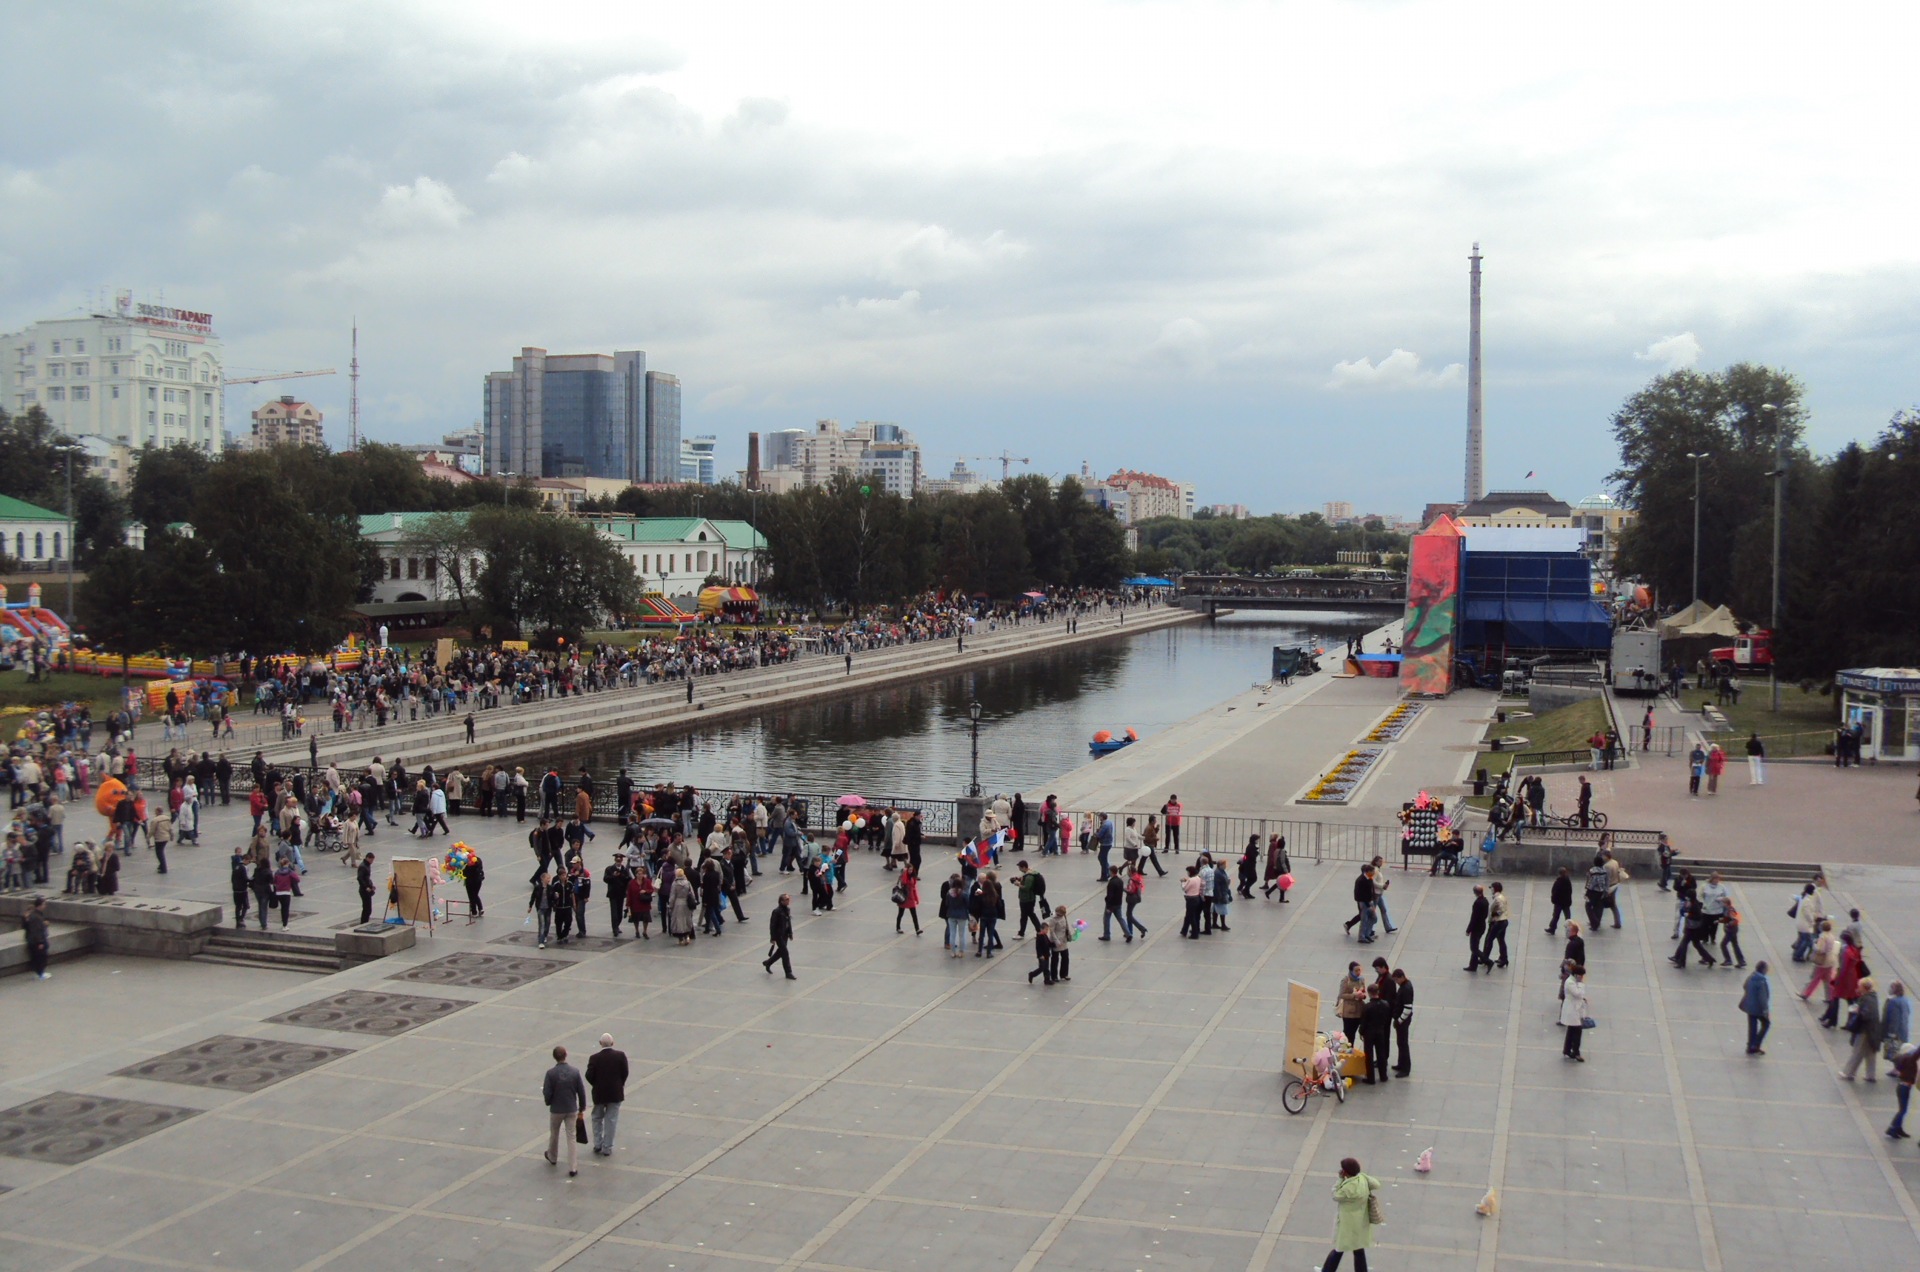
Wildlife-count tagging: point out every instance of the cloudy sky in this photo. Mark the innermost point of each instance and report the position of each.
(1224, 242)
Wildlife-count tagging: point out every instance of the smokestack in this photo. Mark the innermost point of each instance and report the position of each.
(1476, 484)
(753, 461)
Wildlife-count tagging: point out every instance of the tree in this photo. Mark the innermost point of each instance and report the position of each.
(35, 461)
(1724, 417)
(283, 574)
(164, 483)
(545, 578)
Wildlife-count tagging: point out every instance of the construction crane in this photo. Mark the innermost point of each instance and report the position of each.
(274, 375)
(1007, 460)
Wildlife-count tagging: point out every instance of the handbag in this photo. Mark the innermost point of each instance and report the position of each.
(1376, 1214)
(580, 1127)
(1588, 1022)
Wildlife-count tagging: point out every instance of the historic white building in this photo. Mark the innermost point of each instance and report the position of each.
(140, 375)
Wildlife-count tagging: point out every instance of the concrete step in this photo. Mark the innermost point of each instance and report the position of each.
(284, 951)
(1794, 872)
(290, 964)
(64, 941)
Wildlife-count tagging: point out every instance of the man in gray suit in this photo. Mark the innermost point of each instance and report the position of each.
(565, 1094)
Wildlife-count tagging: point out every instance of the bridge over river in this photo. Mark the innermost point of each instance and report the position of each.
(1209, 594)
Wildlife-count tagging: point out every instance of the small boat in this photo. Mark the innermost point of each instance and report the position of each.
(1104, 743)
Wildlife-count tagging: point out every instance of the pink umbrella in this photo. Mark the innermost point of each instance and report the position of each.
(851, 801)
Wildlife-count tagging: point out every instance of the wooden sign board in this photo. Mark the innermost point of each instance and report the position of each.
(413, 900)
(1303, 1024)
(443, 651)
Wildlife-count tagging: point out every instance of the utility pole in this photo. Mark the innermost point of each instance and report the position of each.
(1779, 475)
(70, 548)
(1696, 457)
(353, 391)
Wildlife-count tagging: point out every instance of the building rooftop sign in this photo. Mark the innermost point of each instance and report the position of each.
(1885, 680)
(191, 321)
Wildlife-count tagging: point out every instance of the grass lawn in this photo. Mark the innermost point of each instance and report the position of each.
(1799, 712)
(1563, 730)
(102, 691)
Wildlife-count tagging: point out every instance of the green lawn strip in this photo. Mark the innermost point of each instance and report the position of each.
(102, 691)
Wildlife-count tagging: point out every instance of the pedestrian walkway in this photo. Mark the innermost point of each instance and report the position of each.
(893, 1109)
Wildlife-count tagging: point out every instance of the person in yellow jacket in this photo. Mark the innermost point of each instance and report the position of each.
(1353, 1228)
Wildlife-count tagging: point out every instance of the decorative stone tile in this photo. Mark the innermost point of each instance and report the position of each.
(66, 1128)
(481, 971)
(364, 1011)
(583, 944)
(231, 1063)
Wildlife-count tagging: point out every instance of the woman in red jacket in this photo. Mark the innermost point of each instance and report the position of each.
(1846, 981)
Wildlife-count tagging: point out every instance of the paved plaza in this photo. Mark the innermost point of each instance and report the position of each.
(896, 1109)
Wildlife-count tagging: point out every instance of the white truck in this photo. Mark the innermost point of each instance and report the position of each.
(1635, 666)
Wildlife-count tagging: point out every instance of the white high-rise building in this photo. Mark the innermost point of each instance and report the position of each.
(697, 459)
(886, 452)
(141, 375)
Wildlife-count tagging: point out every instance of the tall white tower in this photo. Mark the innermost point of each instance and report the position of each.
(1476, 484)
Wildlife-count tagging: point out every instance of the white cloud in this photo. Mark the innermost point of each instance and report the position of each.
(514, 169)
(1186, 343)
(1674, 353)
(933, 254)
(1398, 370)
(425, 205)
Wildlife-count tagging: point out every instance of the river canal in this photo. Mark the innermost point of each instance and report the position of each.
(1037, 716)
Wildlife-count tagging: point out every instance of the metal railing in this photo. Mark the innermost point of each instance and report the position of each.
(937, 816)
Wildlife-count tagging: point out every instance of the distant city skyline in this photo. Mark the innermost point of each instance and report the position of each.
(1113, 256)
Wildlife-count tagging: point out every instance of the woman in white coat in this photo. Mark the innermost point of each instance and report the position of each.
(1575, 1007)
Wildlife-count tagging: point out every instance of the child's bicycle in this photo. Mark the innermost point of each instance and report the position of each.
(1319, 1075)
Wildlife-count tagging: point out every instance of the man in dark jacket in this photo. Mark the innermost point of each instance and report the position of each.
(779, 933)
(223, 774)
(1477, 928)
(1402, 1021)
(1364, 895)
(1376, 1032)
(616, 879)
(365, 874)
(1116, 897)
(35, 925)
(607, 1076)
(1561, 895)
(565, 1095)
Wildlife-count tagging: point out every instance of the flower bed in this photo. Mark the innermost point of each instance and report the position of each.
(1339, 783)
(1394, 723)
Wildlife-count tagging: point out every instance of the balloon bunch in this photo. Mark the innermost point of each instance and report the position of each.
(853, 823)
(457, 860)
(1079, 927)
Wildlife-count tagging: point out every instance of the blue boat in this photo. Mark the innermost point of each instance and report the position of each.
(1104, 743)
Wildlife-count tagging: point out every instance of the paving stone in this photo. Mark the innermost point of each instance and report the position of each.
(68, 1128)
(481, 971)
(363, 1011)
(233, 1063)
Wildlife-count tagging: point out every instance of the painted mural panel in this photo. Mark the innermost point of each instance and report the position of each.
(1433, 604)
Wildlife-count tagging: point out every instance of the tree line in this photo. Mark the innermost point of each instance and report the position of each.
(1849, 586)
(1216, 545)
(262, 550)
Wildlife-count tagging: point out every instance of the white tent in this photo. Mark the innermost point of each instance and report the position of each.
(1671, 625)
(1719, 623)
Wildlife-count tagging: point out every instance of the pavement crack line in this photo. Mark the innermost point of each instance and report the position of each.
(1509, 1071)
(625, 1215)
(1151, 1104)
(1682, 1116)
(1901, 1194)
(1262, 1256)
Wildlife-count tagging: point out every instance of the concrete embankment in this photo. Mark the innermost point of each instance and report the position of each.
(1253, 754)
(547, 729)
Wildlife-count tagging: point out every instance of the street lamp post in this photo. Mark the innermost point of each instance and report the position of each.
(973, 713)
(1779, 475)
(506, 484)
(1696, 457)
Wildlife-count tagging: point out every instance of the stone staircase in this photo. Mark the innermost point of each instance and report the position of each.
(276, 951)
(1786, 872)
